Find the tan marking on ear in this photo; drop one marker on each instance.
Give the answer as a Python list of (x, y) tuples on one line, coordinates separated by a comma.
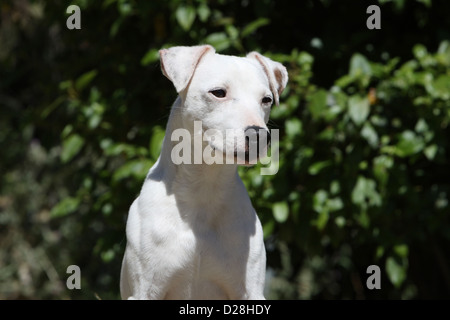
[(179, 63), (276, 73)]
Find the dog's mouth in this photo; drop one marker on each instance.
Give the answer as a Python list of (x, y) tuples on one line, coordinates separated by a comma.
[(236, 146), (239, 157), (248, 156)]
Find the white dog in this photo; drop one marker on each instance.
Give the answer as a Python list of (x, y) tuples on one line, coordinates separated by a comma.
[(192, 233)]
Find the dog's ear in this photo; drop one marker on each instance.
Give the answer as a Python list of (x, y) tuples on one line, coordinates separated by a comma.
[(275, 71), (178, 63)]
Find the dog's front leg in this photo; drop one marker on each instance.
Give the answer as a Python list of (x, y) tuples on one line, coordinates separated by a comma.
[(138, 285)]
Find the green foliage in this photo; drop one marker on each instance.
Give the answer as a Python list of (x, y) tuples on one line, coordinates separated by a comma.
[(359, 165), (364, 150)]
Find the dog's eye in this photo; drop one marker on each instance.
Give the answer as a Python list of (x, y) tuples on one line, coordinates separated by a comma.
[(267, 100), (218, 93)]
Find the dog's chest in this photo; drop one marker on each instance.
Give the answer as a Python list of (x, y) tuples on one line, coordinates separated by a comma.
[(219, 251)]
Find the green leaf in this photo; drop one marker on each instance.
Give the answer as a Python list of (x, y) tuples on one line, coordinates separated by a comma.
[(335, 187), (151, 56), (125, 8), (293, 127), (116, 26), (344, 81), (85, 79), (218, 40), (108, 255), (65, 207), (396, 271), (409, 144), (280, 211), (360, 70), (359, 66), (322, 219), (401, 250), (358, 109), (334, 204), (430, 152), (268, 228), (316, 167), (156, 142), (443, 55), (381, 166), (94, 114), (319, 200), (203, 12), (421, 126), (379, 252), (71, 147), (305, 59), (137, 169), (359, 191), (253, 26), (329, 133), (340, 221), (369, 133), (363, 219), (232, 32), (114, 149), (365, 193), (318, 103), (185, 16), (420, 51), (440, 87), (257, 179)]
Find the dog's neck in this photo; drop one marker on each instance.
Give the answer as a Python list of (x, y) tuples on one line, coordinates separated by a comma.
[(193, 176)]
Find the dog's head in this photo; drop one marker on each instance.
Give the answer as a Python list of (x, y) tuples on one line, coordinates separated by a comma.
[(231, 96)]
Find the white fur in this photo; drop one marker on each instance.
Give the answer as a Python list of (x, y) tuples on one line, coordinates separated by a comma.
[(192, 233)]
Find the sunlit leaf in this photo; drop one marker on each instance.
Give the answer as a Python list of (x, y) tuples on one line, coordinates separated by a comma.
[(409, 144), (395, 271), (218, 40), (440, 87), (203, 12), (280, 211), (365, 193), (359, 65), (430, 151), (318, 103), (151, 56), (135, 168), (253, 26), (85, 79), (71, 147), (369, 133), (65, 207), (185, 16), (316, 167), (358, 108), (293, 127)]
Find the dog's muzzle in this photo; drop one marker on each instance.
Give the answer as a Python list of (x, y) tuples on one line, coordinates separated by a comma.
[(257, 139)]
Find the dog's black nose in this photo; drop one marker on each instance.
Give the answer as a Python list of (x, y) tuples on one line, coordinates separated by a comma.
[(254, 135)]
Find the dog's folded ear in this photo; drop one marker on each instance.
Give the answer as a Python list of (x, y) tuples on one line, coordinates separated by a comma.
[(275, 71), (179, 63)]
